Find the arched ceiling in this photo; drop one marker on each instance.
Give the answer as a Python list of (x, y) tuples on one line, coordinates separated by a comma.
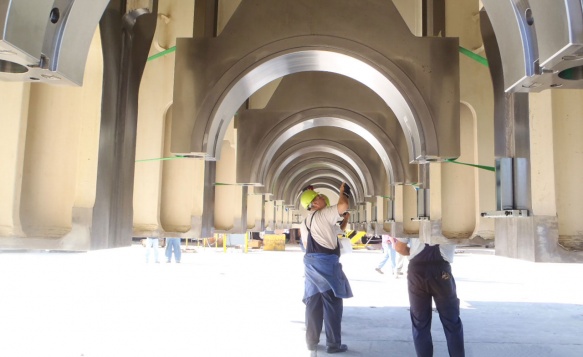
[(385, 99), (291, 160)]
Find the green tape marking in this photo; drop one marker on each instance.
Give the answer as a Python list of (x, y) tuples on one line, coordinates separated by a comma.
[(473, 56), (483, 167), (163, 53)]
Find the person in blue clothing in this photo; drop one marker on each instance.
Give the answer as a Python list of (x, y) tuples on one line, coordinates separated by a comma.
[(389, 251), (429, 277), (173, 244), (326, 284), (152, 244)]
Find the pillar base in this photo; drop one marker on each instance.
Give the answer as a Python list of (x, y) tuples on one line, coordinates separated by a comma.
[(534, 238)]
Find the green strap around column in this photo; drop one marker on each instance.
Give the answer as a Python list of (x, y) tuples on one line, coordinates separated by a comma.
[(483, 167), (163, 53), (473, 56)]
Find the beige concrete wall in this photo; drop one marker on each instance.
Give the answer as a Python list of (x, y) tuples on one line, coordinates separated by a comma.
[(165, 192), (269, 217), (228, 195), (12, 142), (411, 11), (410, 210), (254, 202), (177, 189), (435, 191), (542, 164), (568, 155), (476, 93), (459, 184), (60, 162)]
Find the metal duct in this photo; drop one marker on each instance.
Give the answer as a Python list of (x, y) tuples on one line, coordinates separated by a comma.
[(47, 40)]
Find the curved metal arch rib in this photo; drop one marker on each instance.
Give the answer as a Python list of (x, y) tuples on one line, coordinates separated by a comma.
[(306, 149), (261, 165), (317, 60), (315, 165), (320, 178)]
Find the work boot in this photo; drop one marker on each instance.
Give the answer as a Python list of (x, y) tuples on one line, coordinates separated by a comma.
[(341, 348)]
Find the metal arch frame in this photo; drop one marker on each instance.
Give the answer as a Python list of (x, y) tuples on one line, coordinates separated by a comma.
[(519, 37), (394, 87), (319, 180), (315, 177), (52, 51), (298, 151), (313, 164), (418, 78), (548, 38), (383, 145)]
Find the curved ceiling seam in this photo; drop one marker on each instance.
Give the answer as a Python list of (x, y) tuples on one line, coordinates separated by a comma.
[(312, 177), (310, 167), (331, 182), (349, 156), (282, 132), (366, 135), (314, 164)]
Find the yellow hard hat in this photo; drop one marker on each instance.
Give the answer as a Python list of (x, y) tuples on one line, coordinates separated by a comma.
[(307, 197)]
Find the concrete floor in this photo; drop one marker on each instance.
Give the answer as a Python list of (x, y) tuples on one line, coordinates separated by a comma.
[(111, 303)]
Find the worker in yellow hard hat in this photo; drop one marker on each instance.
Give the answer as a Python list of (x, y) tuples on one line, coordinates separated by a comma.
[(309, 195), (326, 285)]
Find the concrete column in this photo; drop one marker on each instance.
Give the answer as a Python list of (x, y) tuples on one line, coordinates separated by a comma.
[(476, 95), (269, 216), (410, 210), (568, 155), (543, 185), (459, 185), (228, 195), (154, 116), (60, 162), (254, 209), (436, 193), (12, 143), (179, 185)]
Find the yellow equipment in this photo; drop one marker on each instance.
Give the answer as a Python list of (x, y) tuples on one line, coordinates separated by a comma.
[(356, 238)]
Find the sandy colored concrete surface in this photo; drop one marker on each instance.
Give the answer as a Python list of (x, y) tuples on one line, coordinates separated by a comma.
[(111, 303)]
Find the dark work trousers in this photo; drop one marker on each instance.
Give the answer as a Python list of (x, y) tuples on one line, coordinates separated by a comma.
[(429, 276), (324, 307)]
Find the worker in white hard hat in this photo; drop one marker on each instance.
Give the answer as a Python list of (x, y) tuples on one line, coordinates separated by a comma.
[(326, 284)]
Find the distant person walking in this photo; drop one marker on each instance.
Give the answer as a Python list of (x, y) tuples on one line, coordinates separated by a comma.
[(429, 277), (152, 244), (389, 252), (173, 244), (325, 284)]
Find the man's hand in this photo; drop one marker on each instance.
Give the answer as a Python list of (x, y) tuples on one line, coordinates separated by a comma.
[(401, 247), (343, 204)]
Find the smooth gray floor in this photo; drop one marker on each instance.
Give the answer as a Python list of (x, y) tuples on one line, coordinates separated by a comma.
[(111, 303)]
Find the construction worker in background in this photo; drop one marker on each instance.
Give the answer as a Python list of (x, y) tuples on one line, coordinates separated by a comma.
[(326, 284)]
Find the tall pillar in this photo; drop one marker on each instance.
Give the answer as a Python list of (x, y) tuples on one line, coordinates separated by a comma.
[(126, 39), (15, 96)]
